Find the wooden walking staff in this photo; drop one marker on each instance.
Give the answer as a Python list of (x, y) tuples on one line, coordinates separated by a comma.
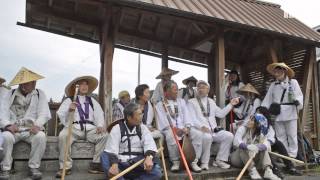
[(130, 168), (70, 125), (177, 143), (245, 167), (161, 145), (286, 157)]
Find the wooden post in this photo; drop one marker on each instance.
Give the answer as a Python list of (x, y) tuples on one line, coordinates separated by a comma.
[(106, 51), (219, 70), (307, 79), (211, 73), (164, 56), (316, 101)]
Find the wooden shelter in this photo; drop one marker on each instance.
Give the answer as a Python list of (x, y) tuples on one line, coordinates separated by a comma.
[(217, 34)]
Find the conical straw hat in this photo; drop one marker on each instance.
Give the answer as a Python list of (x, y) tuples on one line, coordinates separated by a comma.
[(248, 88), (191, 78), (272, 66), (92, 83), (24, 76), (165, 72)]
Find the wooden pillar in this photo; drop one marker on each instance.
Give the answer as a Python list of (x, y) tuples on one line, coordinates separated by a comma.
[(307, 80), (106, 53), (219, 65), (164, 56), (211, 73), (316, 102)]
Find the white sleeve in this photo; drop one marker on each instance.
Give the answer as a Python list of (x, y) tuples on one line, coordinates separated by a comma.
[(63, 111), (161, 116), (256, 104), (147, 140), (238, 137), (113, 141), (186, 115), (98, 114), (5, 110), (267, 101), (271, 135), (156, 94), (298, 93), (150, 116), (221, 113), (43, 110)]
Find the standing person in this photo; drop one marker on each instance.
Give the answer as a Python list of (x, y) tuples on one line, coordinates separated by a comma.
[(284, 98), (117, 109), (142, 93), (88, 122), (205, 112), (129, 142), (188, 92), (177, 111), (251, 142), (3, 91), (231, 91), (24, 112), (249, 104), (165, 76)]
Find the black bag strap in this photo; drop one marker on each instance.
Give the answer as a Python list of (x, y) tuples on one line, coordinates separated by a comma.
[(282, 96), (124, 132)]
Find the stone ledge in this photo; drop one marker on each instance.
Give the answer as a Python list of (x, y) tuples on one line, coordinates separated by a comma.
[(80, 150)]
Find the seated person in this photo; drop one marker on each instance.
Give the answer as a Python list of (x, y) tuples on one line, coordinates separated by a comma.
[(130, 141), (251, 142)]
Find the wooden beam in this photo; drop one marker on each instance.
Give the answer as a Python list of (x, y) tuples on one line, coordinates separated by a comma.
[(316, 102), (140, 22), (164, 56), (219, 70), (307, 79), (209, 36), (188, 34)]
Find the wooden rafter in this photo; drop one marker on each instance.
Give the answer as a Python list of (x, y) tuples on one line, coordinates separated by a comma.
[(140, 22), (209, 36)]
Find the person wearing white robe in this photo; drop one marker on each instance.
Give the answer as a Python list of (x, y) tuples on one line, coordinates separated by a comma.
[(118, 107), (205, 112), (188, 92), (290, 103), (165, 76), (88, 122), (3, 91), (142, 93), (250, 102), (125, 148), (178, 113), (24, 112)]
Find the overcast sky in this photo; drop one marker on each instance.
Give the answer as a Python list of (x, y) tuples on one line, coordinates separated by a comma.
[(60, 59)]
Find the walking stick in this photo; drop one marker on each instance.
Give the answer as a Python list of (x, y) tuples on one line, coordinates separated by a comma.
[(161, 146), (286, 157), (301, 133), (245, 167), (130, 168), (178, 144), (66, 147)]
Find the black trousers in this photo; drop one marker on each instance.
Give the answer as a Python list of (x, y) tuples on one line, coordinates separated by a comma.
[(279, 147)]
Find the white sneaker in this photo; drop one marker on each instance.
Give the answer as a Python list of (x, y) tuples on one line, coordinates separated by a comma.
[(220, 164), (175, 166), (254, 174), (268, 174), (195, 167), (204, 166)]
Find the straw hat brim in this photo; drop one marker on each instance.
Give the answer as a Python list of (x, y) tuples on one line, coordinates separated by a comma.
[(272, 66), (185, 81), (248, 88), (92, 84), (166, 72), (24, 76)]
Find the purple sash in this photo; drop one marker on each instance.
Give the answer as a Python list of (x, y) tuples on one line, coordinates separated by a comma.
[(84, 115)]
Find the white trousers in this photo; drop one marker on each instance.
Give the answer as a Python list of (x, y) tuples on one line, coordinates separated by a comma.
[(202, 144), (38, 147), (99, 141), (286, 132)]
